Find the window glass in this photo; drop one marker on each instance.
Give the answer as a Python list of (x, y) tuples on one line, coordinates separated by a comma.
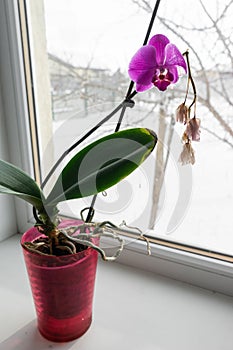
[(89, 46)]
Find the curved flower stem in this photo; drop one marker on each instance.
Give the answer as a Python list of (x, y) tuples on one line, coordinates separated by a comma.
[(188, 81), (190, 78)]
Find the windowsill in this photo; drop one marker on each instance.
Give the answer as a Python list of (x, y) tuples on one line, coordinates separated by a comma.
[(132, 309)]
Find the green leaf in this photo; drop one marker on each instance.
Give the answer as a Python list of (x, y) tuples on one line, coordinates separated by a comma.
[(14, 181), (102, 164)]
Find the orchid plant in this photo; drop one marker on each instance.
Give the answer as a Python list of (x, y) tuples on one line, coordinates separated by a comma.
[(95, 168), (108, 160)]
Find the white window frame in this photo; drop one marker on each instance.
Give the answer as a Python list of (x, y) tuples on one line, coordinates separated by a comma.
[(171, 261), (15, 103)]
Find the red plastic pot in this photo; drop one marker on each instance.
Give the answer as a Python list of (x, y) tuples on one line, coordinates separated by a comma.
[(62, 288)]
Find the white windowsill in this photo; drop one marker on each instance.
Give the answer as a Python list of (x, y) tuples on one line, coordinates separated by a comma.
[(133, 309)]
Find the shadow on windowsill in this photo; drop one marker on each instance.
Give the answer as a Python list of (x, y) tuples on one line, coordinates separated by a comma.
[(28, 338)]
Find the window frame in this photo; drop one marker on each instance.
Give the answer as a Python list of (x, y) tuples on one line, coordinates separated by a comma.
[(15, 103), (210, 272), (207, 272)]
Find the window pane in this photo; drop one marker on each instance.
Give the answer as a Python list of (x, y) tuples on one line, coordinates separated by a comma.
[(89, 48)]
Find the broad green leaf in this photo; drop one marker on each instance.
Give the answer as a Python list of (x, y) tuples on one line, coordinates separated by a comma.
[(14, 181), (102, 164)]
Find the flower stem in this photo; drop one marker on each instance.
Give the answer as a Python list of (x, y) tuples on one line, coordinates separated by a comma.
[(154, 13), (190, 78), (188, 81)]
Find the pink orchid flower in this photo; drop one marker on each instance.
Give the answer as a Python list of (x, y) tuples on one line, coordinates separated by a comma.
[(156, 64)]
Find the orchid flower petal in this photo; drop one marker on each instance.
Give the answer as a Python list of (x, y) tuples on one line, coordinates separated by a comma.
[(159, 42), (141, 88), (141, 68), (174, 57), (144, 59), (145, 78), (174, 72)]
